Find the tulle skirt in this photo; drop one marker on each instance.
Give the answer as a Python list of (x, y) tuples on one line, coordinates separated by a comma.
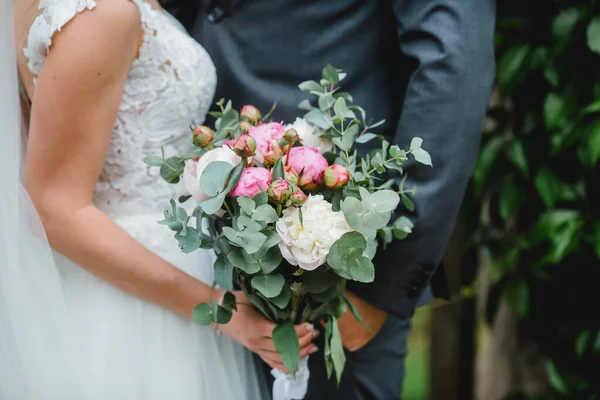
[(125, 348)]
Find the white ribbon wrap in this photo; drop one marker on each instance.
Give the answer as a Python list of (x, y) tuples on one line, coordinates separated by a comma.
[(290, 387)]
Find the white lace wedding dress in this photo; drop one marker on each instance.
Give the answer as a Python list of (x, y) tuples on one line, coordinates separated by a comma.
[(125, 348)]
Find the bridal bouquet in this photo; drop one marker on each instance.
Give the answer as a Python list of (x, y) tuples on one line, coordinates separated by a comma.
[(291, 211)]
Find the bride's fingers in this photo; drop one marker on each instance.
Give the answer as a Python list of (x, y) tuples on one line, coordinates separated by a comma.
[(272, 362), (303, 329), (307, 339), (308, 350)]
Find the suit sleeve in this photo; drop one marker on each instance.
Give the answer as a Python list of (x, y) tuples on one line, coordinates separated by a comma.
[(448, 45)]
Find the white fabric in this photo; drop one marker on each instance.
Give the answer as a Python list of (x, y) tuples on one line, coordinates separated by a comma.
[(290, 387), (65, 334)]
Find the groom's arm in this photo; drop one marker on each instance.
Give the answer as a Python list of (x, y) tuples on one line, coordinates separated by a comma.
[(449, 45)]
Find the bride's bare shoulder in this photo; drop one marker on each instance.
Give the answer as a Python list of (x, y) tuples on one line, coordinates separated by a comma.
[(105, 30)]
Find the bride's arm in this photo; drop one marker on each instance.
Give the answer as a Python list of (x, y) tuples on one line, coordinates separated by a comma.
[(75, 105)]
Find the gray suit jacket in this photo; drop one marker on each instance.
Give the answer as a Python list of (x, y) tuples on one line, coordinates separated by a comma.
[(425, 66)]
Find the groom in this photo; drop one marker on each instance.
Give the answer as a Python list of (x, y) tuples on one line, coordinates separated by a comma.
[(426, 67)]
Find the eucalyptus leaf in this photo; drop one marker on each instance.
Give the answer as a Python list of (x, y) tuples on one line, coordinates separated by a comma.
[(334, 348), (278, 170), (154, 161), (340, 108), (283, 298), (265, 213), (220, 314), (365, 138), (330, 74), (241, 260), (224, 272), (202, 314), (213, 206), (422, 156), (287, 345), (416, 143), (384, 200), (268, 285), (309, 86), (246, 204), (171, 169), (213, 178), (317, 118)]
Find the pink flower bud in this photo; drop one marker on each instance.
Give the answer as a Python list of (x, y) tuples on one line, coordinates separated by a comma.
[(298, 198), (308, 163), (244, 146), (336, 176), (272, 153), (203, 136), (291, 175), (245, 126), (279, 191), (251, 113), (291, 135)]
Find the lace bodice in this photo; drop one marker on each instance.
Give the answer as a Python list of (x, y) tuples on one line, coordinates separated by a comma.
[(169, 88)]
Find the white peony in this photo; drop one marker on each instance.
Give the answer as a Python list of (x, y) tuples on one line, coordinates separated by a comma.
[(193, 170), (306, 132), (307, 244)]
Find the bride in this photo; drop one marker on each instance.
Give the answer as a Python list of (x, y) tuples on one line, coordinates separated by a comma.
[(105, 314)]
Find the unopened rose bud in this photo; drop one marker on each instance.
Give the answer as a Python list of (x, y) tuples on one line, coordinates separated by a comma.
[(244, 146), (251, 113), (279, 191), (203, 136), (336, 176), (244, 126), (291, 135), (272, 153), (298, 198)]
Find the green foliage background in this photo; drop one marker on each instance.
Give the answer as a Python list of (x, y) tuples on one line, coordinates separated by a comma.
[(537, 185)]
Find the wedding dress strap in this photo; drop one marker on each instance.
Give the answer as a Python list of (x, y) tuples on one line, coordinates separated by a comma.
[(55, 15)]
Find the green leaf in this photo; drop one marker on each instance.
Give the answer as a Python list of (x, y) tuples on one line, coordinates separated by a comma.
[(422, 156), (171, 169), (220, 315), (512, 197), (330, 73), (268, 285), (384, 201), (202, 314), (317, 117), (246, 204), (278, 170), (548, 186), (594, 142), (553, 108), (239, 259), (592, 108), (556, 380), (229, 301), (582, 341), (516, 295), (265, 213), (517, 156), (593, 35), (250, 241), (355, 312), (272, 239), (309, 86), (347, 259), (260, 199), (233, 177), (416, 143), (305, 104), (213, 178), (564, 24), (334, 349), (364, 138), (183, 199), (154, 161), (188, 241), (269, 260), (319, 280), (408, 203), (402, 228), (512, 67), (340, 108), (361, 269), (325, 101), (283, 298), (551, 75), (224, 272), (212, 206), (287, 345)]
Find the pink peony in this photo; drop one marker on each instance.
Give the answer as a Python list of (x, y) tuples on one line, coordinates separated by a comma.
[(253, 181), (312, 162), (263, 134)]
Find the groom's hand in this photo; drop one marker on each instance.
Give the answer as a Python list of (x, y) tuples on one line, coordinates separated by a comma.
[(354, 334)]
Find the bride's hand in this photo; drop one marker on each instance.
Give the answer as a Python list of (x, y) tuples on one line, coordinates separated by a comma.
[(249, 328)]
